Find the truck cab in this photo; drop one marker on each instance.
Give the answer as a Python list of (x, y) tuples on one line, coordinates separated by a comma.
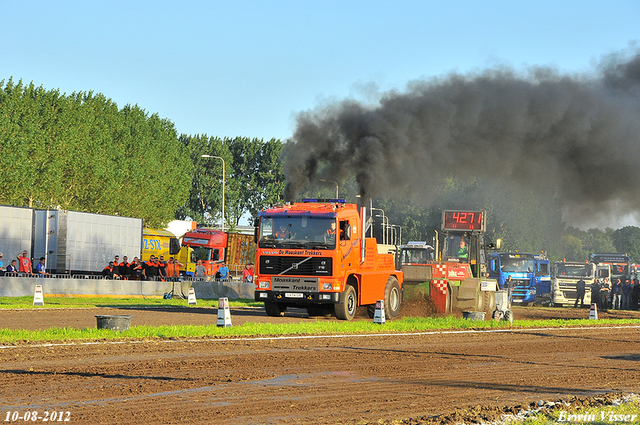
[(207, 245), (542, 276), (522, 268), (313, 254), (565, 277), (214, 247)]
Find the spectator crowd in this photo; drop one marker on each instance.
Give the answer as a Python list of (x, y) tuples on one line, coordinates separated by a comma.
[(619, 294), (156, 268)]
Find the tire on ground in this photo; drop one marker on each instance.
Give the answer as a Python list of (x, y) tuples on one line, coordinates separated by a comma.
[(346, 308), (508, 316), (392, 298), (274, 309)]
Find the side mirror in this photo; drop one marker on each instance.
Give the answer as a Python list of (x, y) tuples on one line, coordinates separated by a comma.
[(256, 227)]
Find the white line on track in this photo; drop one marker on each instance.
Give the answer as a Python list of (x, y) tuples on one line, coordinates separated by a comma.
[(266, 338)]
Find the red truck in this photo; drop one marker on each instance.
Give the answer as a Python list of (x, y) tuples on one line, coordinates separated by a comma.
[(314, 254), (214, 246)]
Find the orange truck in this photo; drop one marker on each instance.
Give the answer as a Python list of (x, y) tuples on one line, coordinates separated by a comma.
[(213, 247), (314, 254)]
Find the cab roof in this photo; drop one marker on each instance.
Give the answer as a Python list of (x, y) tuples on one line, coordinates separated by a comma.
[(320, 208)]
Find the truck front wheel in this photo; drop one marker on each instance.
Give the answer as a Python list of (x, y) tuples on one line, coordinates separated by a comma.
[(346, 308), (392, 299), (274, 309)]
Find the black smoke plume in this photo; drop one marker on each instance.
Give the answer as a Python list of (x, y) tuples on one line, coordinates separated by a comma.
[(577, 134)]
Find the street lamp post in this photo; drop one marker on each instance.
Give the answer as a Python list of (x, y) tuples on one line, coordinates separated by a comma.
[(399, 227), (331, 181), (223, 184)]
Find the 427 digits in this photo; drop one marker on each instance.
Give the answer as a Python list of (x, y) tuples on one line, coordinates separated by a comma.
[(35, 416)]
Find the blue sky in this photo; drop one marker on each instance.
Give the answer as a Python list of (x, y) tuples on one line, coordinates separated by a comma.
[(246, 68)]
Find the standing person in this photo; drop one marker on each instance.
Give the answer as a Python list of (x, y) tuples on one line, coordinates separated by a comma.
[(635, 294), (177, 264), (151, 268), (201, 272), (604, 295), (595, 292), (124, 269), (508, 285), (247, 273), (581, 289), (616, 299), (626, 295), (1, 265), (116, 265), (162, 268), (24, 263), (173, 269), (224, 271), (41, 267), (170, 269)]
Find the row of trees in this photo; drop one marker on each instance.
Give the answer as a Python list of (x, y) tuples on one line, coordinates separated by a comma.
[(81, 152)]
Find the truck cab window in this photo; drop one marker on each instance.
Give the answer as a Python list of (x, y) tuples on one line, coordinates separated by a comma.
[(345, 231)]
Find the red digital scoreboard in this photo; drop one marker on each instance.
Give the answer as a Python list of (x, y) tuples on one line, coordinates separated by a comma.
[(465, 221)]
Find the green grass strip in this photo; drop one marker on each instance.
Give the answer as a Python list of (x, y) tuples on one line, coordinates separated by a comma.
[(11, 303), (309, 327)]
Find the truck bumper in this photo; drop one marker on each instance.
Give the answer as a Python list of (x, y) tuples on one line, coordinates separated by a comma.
[(298, 297)]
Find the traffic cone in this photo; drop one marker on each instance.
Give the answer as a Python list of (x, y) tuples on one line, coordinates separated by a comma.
[(37, 296), (224, 315), (378, 317), (593, 313), (192, 297)]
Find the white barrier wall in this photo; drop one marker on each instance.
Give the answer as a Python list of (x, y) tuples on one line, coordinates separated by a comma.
[(25, 286)]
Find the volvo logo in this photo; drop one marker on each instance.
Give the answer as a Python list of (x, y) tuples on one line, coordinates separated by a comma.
[(294, 266)]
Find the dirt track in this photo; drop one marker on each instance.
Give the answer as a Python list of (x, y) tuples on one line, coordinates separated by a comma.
[(355, 379)]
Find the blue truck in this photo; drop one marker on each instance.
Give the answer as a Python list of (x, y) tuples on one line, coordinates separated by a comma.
[(529, 272)]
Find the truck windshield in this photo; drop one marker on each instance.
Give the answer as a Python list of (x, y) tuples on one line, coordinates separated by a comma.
[(298, 232), (516, 265), (202, 253), (415, 256), (574, 270), (456, 248)]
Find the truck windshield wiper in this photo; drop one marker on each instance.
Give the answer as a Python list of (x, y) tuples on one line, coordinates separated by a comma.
[(293, 243)]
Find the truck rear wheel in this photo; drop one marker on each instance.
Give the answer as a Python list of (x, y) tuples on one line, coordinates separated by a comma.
[(392, 299), (346, 308), (274, 309)]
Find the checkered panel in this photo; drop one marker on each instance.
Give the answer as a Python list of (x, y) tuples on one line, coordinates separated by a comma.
[(440, 286), (439, 270)]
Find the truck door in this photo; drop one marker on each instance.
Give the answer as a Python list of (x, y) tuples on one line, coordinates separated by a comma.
[(347, 237)]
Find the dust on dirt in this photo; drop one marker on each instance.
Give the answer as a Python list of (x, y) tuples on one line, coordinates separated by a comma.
[(418, 307)]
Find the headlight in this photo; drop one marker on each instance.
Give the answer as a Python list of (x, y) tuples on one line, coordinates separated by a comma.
[(264, 284), (533, 291), (327, 286)]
